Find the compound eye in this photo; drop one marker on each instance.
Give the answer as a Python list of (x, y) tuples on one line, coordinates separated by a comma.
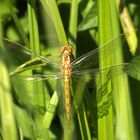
[(62, 49), (70, 49)]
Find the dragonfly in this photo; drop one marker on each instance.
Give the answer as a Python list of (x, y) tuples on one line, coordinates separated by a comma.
[(68, 68)]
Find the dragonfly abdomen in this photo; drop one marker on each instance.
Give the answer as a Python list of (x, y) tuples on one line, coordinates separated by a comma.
[(67, 101)]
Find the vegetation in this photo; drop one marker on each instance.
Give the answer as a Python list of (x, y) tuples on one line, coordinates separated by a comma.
[(32, 97)]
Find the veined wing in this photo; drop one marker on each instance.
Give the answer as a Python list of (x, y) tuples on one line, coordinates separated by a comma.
[(40, 77), (18, 49), (93, 72), (29, 78), (90, 59), (28, 88), (92, 77)]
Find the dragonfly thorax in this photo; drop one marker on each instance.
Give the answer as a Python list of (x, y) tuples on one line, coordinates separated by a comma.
[(66, 66)]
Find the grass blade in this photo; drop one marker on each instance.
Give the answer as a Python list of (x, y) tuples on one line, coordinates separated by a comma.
[(17, 22), (120, 94), (9, 129), (51, 7), (73, 24), (127, 26)]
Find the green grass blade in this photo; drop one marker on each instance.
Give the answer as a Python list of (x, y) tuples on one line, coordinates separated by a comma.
[(17, 22), (81, 109), (120, 95), (51, 7), (35, 45), (125, 128), (33, 26), (105, 124), (38, 88), (48, 117), (73, 24), (83, 122), (127, 26), (24, 122), (8, 123)]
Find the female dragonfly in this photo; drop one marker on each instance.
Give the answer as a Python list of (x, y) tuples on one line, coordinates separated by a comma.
[(68, 68)]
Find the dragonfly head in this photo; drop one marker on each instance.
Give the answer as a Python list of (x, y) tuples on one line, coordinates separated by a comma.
[(66, 52), (67, 49)]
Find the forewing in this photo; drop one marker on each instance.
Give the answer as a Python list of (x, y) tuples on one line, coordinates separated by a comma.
[(91, 59), (22, 54), (99, 71), (95, 75)]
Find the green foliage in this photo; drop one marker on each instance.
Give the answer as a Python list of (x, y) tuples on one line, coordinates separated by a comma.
[(34, 108), (133, 69)]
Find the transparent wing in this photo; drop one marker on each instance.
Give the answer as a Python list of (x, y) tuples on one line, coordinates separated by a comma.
[(39, 77), (85, 81), (90, 59), (28, 87), (93, 72), (44, 67), (23, 54), (95, 75)]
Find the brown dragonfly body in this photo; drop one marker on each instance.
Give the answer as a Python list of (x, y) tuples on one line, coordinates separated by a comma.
[(66, 71)]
